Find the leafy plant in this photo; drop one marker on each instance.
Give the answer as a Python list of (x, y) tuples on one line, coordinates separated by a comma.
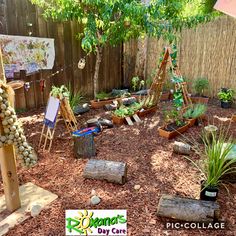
[(63, 92), (75, 98), (201, 85), (103, 96), (124, 111), (178, 99), (226, 95), (60, 92), (137, 83), (174, 116), (214, 163), (195, 111)]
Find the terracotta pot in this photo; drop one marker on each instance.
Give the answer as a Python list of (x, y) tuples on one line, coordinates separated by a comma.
[(99, 104), (202, 100), (147, 111), (172, 134), (192, 122), (118, 120), (165, 96)]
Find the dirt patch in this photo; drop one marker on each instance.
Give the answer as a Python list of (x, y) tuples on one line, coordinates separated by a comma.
[(151, 164)]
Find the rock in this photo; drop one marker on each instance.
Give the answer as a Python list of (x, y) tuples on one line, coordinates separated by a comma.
[(95, 200), (35, 209), (137, 187), (93, 192)]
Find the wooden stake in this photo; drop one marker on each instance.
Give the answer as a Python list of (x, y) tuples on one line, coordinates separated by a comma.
[(8, 163)]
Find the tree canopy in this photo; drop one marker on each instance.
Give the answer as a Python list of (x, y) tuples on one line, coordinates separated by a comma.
[(115, 21)]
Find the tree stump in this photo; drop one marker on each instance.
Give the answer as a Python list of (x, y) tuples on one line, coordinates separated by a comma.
[(84, 146), (115, 172), (181, 148), (187, 209)]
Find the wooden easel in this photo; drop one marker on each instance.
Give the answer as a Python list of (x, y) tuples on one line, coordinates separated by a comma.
[(7, 159), (67, 114)]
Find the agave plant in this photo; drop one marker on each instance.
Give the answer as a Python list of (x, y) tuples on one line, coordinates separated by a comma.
[(195, 111)]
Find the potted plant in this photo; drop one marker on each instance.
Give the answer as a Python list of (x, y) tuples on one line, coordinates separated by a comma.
[(226, 97), (194, 112), (201, 85), (174, 124), (118, 116), (214, 163), (101, 99)]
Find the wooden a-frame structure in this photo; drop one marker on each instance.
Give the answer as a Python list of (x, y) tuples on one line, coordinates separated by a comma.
[(156, 88)]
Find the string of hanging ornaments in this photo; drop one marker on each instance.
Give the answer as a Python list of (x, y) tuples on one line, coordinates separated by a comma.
[(13, 132), (81, 65)]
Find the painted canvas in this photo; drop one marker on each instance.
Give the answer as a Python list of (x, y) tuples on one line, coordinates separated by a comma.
[(26, 53)]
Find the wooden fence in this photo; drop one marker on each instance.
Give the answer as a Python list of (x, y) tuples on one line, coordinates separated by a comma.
[(23, 18), (207, 51)]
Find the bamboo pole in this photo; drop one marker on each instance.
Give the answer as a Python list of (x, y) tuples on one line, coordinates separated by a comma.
[(8, 163)]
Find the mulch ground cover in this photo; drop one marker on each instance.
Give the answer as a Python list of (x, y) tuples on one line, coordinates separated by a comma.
[(151, 164)]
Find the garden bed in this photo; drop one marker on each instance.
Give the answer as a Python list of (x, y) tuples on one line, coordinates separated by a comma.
[(151, 164)]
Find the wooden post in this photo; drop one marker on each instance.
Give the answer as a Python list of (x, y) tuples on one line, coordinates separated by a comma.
[(8, 164)]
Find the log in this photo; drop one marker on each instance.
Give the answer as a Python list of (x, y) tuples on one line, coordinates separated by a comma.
[(181, 148), (84, 146), (187, 209), (114, 172)]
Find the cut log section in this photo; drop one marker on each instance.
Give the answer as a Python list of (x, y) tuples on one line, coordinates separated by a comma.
[(181, 148), (115, 172), (187, 209)]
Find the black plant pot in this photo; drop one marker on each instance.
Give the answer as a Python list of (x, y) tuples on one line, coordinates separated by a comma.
[(208, 193), (226, 105)]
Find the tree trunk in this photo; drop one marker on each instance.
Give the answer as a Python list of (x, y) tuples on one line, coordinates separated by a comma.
[(97, 67), (187, 209), (115, 172)]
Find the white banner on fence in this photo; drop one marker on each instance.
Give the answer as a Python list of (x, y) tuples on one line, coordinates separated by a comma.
[(26, 53)]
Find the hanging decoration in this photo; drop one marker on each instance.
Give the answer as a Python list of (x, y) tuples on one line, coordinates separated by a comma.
[(81, 63)]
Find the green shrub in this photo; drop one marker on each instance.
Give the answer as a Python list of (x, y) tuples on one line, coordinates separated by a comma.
[(201, 85), (226, 95)]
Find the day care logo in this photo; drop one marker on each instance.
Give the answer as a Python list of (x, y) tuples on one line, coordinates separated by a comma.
[(96, 222)]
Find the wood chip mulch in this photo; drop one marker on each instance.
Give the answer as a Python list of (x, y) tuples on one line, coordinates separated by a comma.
[(151, 164)]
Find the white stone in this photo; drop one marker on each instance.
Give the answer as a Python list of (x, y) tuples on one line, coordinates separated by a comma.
[(95, 200), (137, 187), (35, 209), (93, 192)]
